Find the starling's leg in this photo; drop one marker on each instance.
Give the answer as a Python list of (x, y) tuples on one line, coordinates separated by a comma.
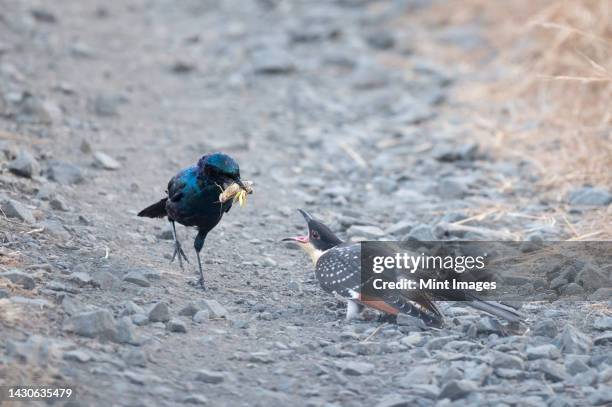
[(178, 250), (197, 245)]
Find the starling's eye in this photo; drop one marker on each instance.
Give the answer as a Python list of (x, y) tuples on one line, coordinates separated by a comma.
[(315, 234)]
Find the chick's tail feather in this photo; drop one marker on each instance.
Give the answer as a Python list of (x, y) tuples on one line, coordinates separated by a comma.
[(157, 210), (497, 309)]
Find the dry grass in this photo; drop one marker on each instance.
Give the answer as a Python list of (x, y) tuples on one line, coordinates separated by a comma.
[(547, 92), (555, 61)]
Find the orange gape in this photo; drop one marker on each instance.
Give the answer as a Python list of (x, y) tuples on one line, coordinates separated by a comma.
[(377, 304)]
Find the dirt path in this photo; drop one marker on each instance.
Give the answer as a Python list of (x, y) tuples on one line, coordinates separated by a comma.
[(325, 107)]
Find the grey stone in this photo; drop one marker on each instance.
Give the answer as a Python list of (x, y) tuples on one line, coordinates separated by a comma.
[(451, 188), (65, 173), (126, 332), (602, 294), (183, 66), (30, 302), (36, 110), (543, 352), (587, 378), (394, 400), (80, 278), (92, 324), (605, 376), (489, 325), (604, 339), (159, 312), (106, 105), (368, 76), (507, 361), (272, 61), (197, 399), (603, 323), (414, 339), (465, 152), (20, 278), (81, 50), (59, 204), (355, 368), (24, 165), (381, 40), (421, 233), (545, 327), (313, 31), (140, 319), (552, 370), (72, 306), (576, 366), (572, 289), (466, 232), (209, 376), (269, 262), (215, 309), (151, 274), (43, 16), (558, 282), (176, 325), (45, 191), (407, 321), (590, 196), (105, 161), (135, 357), (189, 310), (137, 277), (601, 396), (592, 278), (37, 350), (201, 316), (439, 342), (571, 340), (77, 356), (418, 375), (14, 209), (399, 229), (166, 234), (131, 308), (457, 389), (364, 231), (451, 374), (105, 280)]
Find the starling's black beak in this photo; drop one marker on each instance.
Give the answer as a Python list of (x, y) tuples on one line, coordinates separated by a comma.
[(229, 180), (239, 182)]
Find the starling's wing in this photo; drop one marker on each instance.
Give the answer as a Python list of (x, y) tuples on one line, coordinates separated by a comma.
[(339, 272), (175, 189)]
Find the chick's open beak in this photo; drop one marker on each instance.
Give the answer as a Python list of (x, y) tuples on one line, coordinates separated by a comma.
[(297, 239)]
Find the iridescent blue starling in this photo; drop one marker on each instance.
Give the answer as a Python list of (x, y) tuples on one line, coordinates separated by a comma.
[(193, 200)]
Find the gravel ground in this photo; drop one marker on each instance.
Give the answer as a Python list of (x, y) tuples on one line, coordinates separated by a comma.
[(326, 106)]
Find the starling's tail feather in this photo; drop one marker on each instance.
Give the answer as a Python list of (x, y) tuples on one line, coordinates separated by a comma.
[(157, 210)]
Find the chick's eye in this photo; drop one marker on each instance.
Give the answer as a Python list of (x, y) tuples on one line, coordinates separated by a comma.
[(315, 234)]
